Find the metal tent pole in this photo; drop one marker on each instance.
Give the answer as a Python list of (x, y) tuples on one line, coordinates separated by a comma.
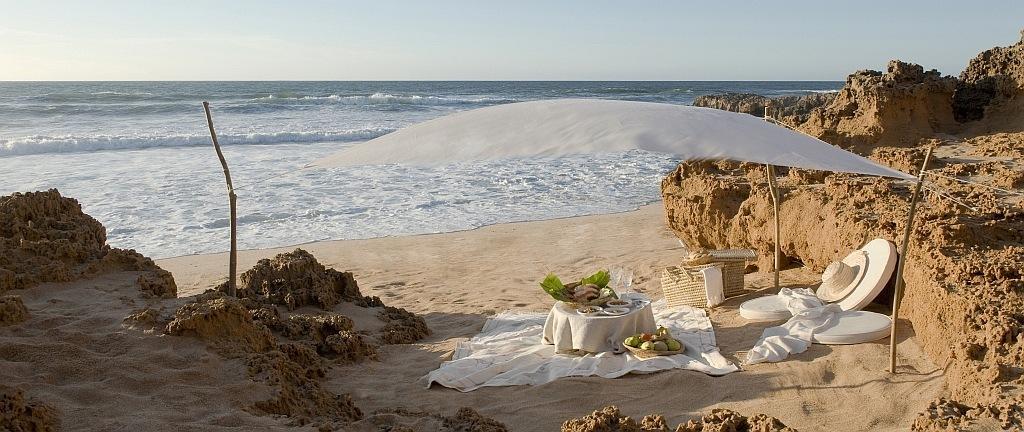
[(903, 256)]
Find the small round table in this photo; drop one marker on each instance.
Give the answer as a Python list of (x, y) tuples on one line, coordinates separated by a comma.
[(567, 330)]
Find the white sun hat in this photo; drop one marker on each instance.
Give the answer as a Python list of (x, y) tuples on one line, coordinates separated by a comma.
[(855, 281)]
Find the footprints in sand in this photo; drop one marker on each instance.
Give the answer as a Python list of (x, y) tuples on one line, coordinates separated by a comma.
[(389, 289)]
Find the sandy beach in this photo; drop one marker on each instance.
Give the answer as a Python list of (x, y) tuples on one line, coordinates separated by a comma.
[(456, 280), (97, 335)]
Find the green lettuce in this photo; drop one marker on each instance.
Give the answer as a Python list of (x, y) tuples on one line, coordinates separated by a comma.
[(553, 286), (600, 279)]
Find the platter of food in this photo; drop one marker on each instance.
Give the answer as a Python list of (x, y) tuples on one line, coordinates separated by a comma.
[(592, 290), (659, 343)]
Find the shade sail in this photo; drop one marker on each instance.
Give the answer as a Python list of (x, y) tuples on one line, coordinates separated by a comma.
[(564, 127)]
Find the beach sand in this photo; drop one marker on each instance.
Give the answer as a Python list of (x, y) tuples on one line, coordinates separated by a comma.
[(456, 280)]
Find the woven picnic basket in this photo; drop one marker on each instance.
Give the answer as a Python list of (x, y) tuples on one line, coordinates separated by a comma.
[(684, 286), (734, 262)]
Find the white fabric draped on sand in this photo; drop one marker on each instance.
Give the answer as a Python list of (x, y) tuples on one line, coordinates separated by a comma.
[(793, 337), (508, 351)]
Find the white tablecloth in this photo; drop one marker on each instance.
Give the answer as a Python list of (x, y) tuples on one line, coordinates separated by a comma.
[(506, 353), (567, 330)]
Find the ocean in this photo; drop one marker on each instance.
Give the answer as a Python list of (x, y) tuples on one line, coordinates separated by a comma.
[(137, 156)]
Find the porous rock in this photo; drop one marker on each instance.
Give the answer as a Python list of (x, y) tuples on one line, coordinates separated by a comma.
[(295, 372), (12, 310), (296, 279), (20, 413), (224, 323), (46, 237), (895, 108), (991, 86), (610, 419), (401, 326), (790, 109)]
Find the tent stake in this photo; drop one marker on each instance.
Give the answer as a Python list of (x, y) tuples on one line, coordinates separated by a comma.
[(903, 256), (233, 257), (773, 190)]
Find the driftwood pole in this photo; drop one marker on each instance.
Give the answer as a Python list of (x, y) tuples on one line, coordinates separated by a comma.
[(774, 191), (773, 188), (233, 259), (903, 256)]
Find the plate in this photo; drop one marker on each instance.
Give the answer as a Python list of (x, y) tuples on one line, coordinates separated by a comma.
[(619, 304), (616, 311), (597, 310)]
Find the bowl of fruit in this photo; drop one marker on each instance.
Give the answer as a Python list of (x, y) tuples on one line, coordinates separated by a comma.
[(659, 343), (592, 290)]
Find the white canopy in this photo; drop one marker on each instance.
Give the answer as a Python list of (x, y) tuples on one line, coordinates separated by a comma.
[(562, 127)]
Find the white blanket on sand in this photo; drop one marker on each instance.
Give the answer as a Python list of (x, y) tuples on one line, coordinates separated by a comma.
[(793, 337), (508, 351)]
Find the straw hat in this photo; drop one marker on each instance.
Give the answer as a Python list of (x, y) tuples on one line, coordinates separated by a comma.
[(841, 277), (856, 280)]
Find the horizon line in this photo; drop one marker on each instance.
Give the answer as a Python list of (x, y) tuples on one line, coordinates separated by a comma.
[(416, 80)]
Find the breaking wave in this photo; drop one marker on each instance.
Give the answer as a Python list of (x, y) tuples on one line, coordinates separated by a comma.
[(71, 144)]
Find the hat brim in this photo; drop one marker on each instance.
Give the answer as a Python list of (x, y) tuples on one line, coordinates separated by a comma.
[(881, 262), (829, 292)]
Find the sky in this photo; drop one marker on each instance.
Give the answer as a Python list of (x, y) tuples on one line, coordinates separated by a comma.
[(492, 40)]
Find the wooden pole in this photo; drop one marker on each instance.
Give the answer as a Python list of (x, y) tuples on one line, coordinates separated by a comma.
[(774, 191), (233, 257), (903, 256)]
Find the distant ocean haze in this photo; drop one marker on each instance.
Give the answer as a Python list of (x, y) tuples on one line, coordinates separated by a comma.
[(137, 156)]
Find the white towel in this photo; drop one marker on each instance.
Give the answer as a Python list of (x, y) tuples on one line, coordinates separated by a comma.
[(793, 337), (713, 286)]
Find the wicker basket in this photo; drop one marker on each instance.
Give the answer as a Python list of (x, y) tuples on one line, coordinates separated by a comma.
[(684, 286), (734, 262), (642, 353)]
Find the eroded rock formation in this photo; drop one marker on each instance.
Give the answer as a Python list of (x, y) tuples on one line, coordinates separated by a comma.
[(610, 419), (895, 108), (465, 420), (287, 347), (965, 289), (12, 310), (991, 86), (20, 413), (296, 279), (791, 109), (47, 238)]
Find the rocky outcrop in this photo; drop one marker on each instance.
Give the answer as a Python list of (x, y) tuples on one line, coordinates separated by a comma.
[(12, 310), (19, 413), (791, 109), (296, 279), (401, 326), (965, 287), (224, 323), (895, 108), (991, 86), (727, 420), (45, 237), (296, 371), (946, 415), (399, 419), (609, 419), (290, 349)]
